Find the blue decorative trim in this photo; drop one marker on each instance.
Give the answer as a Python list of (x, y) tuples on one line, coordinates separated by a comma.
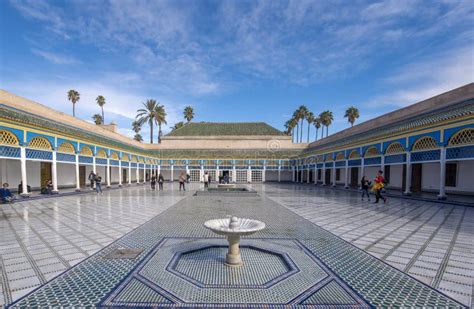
[(31, 135), (319, 165), (65, 157), (11, 152), (18, 133), (84, 159), (340, 163), (430, 155), (133, 164), (256, 167), (413, 139), (100, 161), (39, 154), (114, 162), (194, 167), (225, 167), (373, 161), (328, 164), (398, 158), (355, 162), (448, 133), (125, 163), (465, 152)]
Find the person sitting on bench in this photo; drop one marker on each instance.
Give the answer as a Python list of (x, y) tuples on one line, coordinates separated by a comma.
[(5, 195)]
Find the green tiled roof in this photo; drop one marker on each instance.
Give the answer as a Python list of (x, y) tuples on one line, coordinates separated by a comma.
[(228, 154), (225, 129)]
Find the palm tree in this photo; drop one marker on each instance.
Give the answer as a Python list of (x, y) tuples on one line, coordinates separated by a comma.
[(309, 119), (136, 127), (326, 119), (296, 119), (74, 97), (352, 113), (147, 114), (302, 110), (97, 119), (293, 123), (188, 113), (138, 137), (321, 117), (160, 119), (101, 102), (317, 125)]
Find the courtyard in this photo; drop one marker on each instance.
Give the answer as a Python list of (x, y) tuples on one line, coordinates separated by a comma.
[(320, 247)]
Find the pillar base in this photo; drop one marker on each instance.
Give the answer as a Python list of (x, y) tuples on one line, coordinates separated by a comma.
[(346, 187), (55, 192), (108, 186), (442, 197), (25, 195), (77, 190), (233, 260), (407, 193), (120, 185)]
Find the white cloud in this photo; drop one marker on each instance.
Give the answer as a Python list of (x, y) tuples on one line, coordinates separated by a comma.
[(55, 58)]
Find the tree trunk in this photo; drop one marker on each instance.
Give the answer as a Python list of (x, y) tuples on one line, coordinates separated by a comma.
[(301, 136), (103, 117), (151, 131), (327, 131), (322, 132), (307, 139), (297, 132), (73, 109), (159, 132), (316, 138)]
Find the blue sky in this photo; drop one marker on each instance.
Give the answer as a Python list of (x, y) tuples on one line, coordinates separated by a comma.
[(235, 60)]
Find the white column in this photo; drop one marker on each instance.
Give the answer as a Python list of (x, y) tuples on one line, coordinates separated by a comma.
[(334, 174), (144, 172), (54, 173), (137, 173), (293, 173), (315, 173), (129, 172), (307, 174), (217, 173), (408, 175), (362, 170), (323, 174), (120, 173), (201, 174), (249, 174), (346, 175), (159, 169), (442, 174), (172, 173), (263, 173), (187, 169), (94, 169), (279, 172), (107, 173), (234, 174), (24, 182), (78, 180)]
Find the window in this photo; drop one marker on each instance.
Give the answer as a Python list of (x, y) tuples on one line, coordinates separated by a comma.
[(338, 174), (451, 171)]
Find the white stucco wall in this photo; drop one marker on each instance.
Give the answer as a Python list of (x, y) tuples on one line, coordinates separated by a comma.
[(66, 175), (396, 176), (430, 176), (286, 176), (271, 176), (465, 177)]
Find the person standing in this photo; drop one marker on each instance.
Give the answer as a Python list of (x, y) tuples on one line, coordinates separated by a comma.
[(161, 180), (364, 184), (188, 177), (206, 180), (153, 182), (182, 180), (379, 184), (98, 184), (92, 179)]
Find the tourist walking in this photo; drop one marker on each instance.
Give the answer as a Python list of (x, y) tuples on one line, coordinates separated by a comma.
[(92, 179), (161, 180), (5, 194), (379, 184), (98, 184), (206, 180), (182, 180), (153, 182), (364, 184)]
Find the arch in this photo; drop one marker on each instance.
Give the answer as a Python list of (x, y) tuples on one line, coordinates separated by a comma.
[(8, 138), (424, 143), (340, 156), (354, 155), (66, 147), (141, 160), (320, 158), (328, 158), (134, 159), (396, 147), (39, 142), (86, 151), (114, 155), (101, 154), (371, 152), (124, 157), (463, 137)]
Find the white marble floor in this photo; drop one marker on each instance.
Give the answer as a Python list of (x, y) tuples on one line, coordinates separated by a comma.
[(432, 242)]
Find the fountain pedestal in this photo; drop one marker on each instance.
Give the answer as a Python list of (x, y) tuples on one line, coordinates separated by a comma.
[(233, 228)]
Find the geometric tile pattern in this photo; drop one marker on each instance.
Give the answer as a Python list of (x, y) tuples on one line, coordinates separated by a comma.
[(360, 274)]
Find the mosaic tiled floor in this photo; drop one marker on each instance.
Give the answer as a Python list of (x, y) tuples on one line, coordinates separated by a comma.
[(323, 269)]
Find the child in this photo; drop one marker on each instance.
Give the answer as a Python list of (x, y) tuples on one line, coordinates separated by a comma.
[(98, 182), (365, 188)]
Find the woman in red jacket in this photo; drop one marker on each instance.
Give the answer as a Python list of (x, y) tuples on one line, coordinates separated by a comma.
[(379, 183)]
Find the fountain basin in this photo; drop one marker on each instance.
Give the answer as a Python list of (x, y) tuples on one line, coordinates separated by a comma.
[(233, 228), (226, 185)]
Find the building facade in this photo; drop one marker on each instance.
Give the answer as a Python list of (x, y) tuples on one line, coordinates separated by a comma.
[(428, 146)]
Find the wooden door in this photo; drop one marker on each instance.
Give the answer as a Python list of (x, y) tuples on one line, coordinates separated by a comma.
[(82, 176), (354, 177), (416, 178), (45, 173), (328, 176)]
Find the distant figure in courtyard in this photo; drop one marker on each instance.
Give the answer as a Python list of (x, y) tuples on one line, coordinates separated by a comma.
[(188, 177), (226, 178), (364, 184), (161, 180), (49, 186), (5, 194), (182, 180), (20, 188), (153, 183), (92, 179), (98, 184), (206, 180), (379, 184)]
